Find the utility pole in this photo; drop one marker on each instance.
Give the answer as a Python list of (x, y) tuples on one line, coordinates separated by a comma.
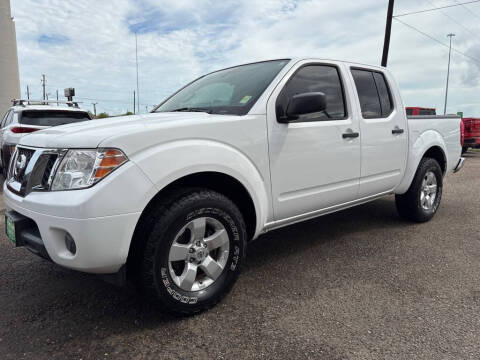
[(133, 102), (95, 108), (448, 72), (136, 61), (57, 98), (43, 86), (388, 32), (28, 93)]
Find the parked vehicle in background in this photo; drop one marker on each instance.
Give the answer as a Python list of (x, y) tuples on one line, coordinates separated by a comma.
[(170, 199), (415, 110), (471, 137), (27, 116)]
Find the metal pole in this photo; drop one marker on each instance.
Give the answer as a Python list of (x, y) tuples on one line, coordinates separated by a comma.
[(388, 32), (133, 102), (43, 86), (57, 99), (448, 72), (28, 93), (136, 61), (95, 109)]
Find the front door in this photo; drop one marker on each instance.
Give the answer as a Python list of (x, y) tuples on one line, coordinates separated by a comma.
[(315, 159)]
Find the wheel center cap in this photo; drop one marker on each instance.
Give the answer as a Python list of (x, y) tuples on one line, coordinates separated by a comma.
[(200, 254)]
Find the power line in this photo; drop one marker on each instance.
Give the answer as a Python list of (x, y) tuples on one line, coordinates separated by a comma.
[(468, 9), (438, 41), (455, 21), (437, 8)]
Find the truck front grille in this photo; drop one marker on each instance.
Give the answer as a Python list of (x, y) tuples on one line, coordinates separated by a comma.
[(32, 169), (20, 163)]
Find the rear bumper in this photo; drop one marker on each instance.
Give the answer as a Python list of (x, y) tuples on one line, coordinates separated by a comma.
[(459, 165), (471, 141)]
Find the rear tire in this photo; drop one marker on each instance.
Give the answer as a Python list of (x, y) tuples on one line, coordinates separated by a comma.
[(464, 149), (193, 249), (421, 201)]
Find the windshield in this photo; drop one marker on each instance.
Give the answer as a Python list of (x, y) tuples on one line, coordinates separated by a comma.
[(229, 91), (52, 118)]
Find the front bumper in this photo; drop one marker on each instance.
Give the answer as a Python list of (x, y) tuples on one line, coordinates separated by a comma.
[(101, 219)]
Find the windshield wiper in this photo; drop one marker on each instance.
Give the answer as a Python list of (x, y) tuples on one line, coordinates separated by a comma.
[(193, 109)]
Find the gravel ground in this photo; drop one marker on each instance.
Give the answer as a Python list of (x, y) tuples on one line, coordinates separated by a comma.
[(359, 284)]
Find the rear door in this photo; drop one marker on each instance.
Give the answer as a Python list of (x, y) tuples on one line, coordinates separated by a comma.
[(383, 127), (313, 164)]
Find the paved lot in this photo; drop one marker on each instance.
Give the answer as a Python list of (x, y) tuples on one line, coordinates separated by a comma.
[(360, 284)]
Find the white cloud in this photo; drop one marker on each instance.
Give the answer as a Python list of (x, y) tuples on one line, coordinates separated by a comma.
[(181, 39)]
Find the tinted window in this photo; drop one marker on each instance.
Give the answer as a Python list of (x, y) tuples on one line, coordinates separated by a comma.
[(367, 94), (52, 118), (315, 78), (229, 91), (426, 112), (383, 93)]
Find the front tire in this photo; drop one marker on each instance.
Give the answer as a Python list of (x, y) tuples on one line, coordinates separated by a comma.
[(421, 201), (193, 252)]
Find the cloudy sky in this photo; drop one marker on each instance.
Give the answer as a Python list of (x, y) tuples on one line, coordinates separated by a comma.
[(90, 44)]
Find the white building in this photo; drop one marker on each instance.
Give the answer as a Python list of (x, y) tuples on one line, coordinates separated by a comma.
[(9, 78)]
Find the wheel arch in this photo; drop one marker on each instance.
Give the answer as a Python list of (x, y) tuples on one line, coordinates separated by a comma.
[(216, 181), (429, 144)]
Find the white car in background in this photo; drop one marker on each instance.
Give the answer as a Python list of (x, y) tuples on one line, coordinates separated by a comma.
[(25, 117)]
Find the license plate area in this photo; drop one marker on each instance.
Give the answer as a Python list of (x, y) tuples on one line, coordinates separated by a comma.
[(10, 229), (14, 224)]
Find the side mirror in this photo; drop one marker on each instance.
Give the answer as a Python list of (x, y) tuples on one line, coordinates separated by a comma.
[(305, 103)]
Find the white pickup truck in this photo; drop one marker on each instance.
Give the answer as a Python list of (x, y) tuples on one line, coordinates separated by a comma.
[(170, 199)]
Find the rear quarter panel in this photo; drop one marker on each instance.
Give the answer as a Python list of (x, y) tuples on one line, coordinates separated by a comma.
[(426, 132)]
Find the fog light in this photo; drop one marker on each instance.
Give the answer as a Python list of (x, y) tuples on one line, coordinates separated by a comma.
[(70, 243)]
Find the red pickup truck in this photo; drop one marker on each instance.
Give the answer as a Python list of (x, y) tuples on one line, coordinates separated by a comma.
[(416, 110), (471, 137)]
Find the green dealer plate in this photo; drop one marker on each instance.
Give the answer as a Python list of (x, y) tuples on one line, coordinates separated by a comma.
[(10, 229)]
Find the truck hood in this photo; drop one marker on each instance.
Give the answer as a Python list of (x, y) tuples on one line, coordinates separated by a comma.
[(90, 134)]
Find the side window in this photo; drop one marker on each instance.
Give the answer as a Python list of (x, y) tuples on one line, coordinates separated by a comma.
[(9, 119), (367, 94), (384, 94), (315, 78), (4, 120)]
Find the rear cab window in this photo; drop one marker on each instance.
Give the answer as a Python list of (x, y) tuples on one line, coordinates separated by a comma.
[(52, 118), (373, 93)]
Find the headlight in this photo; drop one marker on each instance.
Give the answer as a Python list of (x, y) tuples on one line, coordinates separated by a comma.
[(82, 168)]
